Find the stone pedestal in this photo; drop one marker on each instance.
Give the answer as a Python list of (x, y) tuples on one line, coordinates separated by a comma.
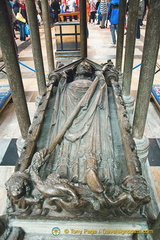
[(111, 230), (153, 207), (129, 104)]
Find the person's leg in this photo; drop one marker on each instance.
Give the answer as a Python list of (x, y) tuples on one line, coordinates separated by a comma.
[(103, 20), (116, 29), (112, 29), (87, 32), (22, 31), (138, 29), (56, 16), (92, 16), (98, 19)]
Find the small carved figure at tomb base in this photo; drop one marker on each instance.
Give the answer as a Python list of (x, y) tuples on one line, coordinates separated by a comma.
[(19, 192), (134, 195)]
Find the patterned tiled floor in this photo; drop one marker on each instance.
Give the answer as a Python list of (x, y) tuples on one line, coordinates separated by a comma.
[(99, 50)]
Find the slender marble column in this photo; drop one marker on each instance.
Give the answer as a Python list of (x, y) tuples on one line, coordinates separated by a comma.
[(12, 68), (130, 45), (48, 35), (36, 45), (83, 28), (149, 59), (120, 35)]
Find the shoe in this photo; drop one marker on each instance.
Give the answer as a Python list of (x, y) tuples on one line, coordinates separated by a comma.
[(102, 27)]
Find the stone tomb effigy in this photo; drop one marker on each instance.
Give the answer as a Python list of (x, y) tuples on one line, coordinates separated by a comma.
[(79, 160)]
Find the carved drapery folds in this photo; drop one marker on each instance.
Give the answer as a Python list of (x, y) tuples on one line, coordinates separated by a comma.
[(69, 163)]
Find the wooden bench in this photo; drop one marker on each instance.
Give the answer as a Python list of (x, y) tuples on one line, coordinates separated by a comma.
[(68, 14), (67, 38)]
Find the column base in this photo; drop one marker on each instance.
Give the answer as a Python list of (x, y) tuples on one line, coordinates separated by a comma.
[(142, 148), (151, 209)]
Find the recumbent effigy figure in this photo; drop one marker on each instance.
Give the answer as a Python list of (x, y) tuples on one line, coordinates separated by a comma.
[(74, 171), (81, 115)]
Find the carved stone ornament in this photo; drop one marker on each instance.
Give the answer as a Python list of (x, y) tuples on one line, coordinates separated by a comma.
[(79, 157)]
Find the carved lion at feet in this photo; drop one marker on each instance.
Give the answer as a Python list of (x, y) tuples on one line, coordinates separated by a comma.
[(18, 190)]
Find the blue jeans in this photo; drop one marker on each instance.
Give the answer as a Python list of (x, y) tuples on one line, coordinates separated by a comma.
[(114, 28), (22, 31), (138, 28), (99, 18)]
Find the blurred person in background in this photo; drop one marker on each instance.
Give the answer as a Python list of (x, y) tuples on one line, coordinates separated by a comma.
[(92, 11), (56, 9), (113, 13)]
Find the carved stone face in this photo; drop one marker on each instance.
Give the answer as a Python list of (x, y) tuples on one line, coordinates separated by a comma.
[(84, 68), (137, 186), (17, 190), (17, 186), (140, 191)]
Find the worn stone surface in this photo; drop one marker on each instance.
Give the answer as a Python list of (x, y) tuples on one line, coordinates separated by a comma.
[(89, 229)]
